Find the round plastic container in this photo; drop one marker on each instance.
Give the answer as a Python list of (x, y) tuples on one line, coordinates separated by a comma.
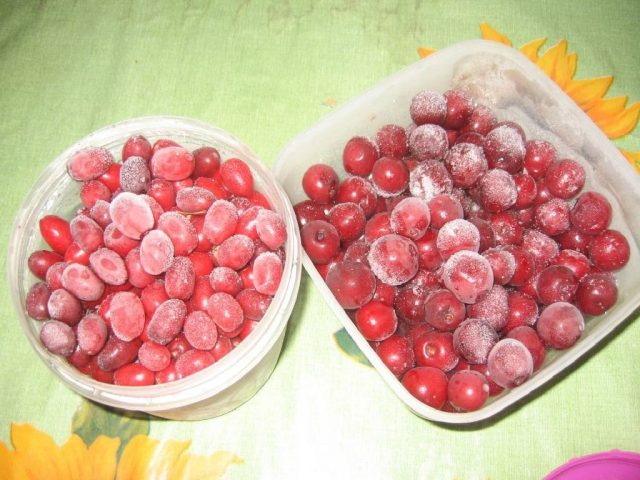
[(210, 392), (614, 465)]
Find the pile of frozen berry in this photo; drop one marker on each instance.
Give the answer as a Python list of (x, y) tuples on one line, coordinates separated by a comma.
[(461, 250), (169, 264)]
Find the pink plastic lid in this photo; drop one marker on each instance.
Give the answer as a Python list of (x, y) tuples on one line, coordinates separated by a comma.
[(615, 464)]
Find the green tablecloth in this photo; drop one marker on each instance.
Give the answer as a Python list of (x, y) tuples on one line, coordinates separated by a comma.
[(266, 71)]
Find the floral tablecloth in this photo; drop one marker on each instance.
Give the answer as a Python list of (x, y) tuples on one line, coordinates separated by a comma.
[(266, 71)]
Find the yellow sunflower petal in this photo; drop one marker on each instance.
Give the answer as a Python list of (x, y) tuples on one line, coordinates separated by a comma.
[(41, 456), (586, 92), (102, 457), (489, 33), (205, 467), (622, 123), (74, 451), (564, 68), (633, 158), (163, 464), (11, 465), (572, 64), (425, 51), (135, 457), (605, 108), (147, 458), (550, 60), (531, 48)]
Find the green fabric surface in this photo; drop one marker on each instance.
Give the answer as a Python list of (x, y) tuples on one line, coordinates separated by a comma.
[(266, 71)]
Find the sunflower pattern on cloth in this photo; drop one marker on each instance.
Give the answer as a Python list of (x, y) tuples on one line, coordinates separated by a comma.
[(106, 445)]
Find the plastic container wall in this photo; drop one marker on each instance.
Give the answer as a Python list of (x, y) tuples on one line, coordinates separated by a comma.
[(515, 89)]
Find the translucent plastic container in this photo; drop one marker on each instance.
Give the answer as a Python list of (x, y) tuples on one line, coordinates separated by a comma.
[(515, 89), (227, 383)]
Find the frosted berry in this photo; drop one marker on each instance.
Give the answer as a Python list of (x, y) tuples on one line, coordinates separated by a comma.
[(510, 363), (428, 142), (428, 107), (89, 163), (560, 325)]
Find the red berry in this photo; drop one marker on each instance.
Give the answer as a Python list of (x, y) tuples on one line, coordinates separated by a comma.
[(37, 300), (349, 221), (532, 341), (56, 232), (523, 310), (428, 107), (468, 390), (358, 157), (397, 354), (193, 361), (359, 191), (40, 261), (376, 321), (392, 141), (172, 163), (591, 214), (320, 240), (443, 310), (58, 338), (565, 178), (609, 250), (473, 340), (393, 259), (237, 177), (466, 163), (137, 146), (597, 292), (539, 154), (435, 349), (111, 178), (200, 330), (468, 275), (389, 176), (459, 108), (207, 162), (510, 363), (504, 148), (225, 311), (320, 183), (133, 375), (560, 325), (482, 120), (427, 384), (352, 283), (89, 163), (429, 142), (154, 357)]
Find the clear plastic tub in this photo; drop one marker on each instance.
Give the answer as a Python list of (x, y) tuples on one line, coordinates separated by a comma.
[(510, 84), (227, 383)]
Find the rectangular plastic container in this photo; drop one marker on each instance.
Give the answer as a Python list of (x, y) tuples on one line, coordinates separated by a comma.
[(515, 89)]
